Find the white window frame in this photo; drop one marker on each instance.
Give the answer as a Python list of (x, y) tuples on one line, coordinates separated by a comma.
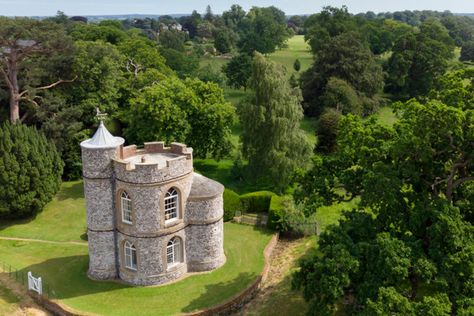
[(126, 208), (171, 205), (130, 254), (174, 252)]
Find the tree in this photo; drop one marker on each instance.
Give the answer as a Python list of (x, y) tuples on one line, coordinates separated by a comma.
[(338, 94), (224, 40), (30, 171), (263, 30), (409, 225), (189, 111), (467, 52), (329, 23), (24, 45), (98, 67), (184, 65), (234, 18), (272, 139), (238, 71), (205, 30), (297, 65), (327, 130), (172, 39), (190, 23), (418, 60), (346, 57), (209, 16)]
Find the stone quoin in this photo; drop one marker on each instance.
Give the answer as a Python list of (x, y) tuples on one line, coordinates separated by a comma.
[(150, 218)]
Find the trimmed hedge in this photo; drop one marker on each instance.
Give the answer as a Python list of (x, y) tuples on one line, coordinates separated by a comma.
[(257, 202), (232, 204), (275, 212)]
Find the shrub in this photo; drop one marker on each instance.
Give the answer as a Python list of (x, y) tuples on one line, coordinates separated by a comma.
[(30, 171), (232, 204), (297, 65), (285, 216), (257, 202)]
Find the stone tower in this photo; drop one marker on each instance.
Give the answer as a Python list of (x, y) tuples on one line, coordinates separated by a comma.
[(150, 218), (97, 170)]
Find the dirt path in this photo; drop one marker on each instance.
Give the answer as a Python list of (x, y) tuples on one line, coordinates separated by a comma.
[(26, 305), (46, 241), (283, 260)]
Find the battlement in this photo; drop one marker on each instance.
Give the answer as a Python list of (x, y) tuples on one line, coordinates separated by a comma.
[(153, 163), (156, 148)]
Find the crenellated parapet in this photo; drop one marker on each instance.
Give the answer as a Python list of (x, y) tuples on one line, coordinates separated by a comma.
[(154, 163)]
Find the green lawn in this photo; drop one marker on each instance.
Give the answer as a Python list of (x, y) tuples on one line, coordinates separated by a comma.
[(297, 49), (9, 302), (64, 219), (63, 266)]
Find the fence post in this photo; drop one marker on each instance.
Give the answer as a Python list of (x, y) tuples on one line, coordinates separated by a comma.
[(40, 285)]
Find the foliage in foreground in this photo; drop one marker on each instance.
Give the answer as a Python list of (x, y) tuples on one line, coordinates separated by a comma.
[(408, 249), (30, 171)]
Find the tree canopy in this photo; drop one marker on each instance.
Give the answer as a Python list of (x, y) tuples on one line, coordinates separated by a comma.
[(413, 223), (189, 111)]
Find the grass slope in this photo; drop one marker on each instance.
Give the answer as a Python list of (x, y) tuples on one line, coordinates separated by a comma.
[(64, 219), (63, 266), (9, 302)]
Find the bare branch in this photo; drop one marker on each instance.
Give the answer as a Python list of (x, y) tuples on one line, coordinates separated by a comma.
[(55, 84)]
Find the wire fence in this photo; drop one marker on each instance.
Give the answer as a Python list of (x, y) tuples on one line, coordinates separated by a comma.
[(21, 277)]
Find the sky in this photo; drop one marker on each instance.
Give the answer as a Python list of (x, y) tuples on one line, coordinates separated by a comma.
[(102, 7)]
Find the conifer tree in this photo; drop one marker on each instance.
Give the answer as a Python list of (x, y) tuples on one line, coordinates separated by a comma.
[(30, 171)]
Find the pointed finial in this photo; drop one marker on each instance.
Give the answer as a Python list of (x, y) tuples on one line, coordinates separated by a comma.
[(100, 116)]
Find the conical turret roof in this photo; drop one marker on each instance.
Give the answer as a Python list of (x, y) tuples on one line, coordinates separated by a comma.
[(102, 139)]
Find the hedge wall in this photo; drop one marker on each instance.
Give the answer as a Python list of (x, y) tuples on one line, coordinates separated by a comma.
[(256, 202), (232, 204), (276, 212)]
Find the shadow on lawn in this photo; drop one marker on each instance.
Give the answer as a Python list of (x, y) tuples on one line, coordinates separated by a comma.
[(66, 277), (214, 291), (74, 191)]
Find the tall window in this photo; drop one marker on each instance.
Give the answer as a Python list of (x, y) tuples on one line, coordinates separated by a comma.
[(171, 204), (130, 255), (173, 251), (126, 204)]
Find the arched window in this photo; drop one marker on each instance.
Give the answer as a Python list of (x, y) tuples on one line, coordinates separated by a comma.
[(171, 204), (126, 205), (130, 255), (173, 251)]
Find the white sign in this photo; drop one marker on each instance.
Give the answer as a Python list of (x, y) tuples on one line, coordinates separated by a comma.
[(35, 284)]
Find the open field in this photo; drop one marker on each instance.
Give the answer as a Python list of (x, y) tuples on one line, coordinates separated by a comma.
[(297, 49), (64, 265)]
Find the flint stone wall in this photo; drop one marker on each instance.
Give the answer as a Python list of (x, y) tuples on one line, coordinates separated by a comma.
[(205, 246), (99, 204), (97, 163), (151, 260), (152, 173), (204, 210), (101, 255)]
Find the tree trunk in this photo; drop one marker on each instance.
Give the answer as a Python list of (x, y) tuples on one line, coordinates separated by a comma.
[(14, 107), (12, 79)]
